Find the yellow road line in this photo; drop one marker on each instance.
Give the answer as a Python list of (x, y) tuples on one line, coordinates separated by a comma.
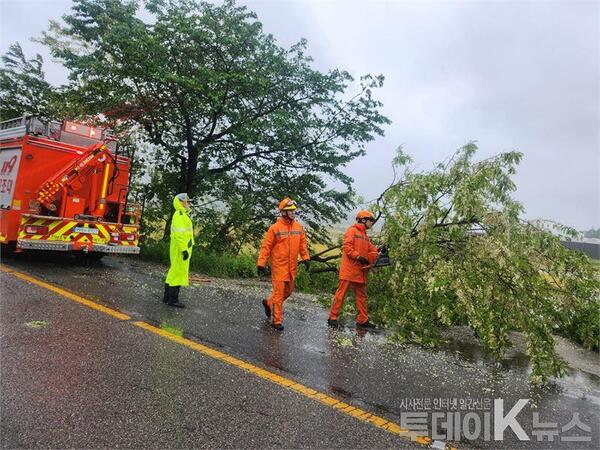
[(325, 399), (67, 294), (332, 402)]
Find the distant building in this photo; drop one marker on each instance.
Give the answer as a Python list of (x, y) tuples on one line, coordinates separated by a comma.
[(589, 246)]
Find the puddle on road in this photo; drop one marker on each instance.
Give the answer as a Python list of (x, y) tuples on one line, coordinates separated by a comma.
[(475, 353), (462, 349), (577, 383)]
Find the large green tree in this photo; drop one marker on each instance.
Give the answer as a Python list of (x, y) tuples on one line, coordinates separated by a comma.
[(235, 119)]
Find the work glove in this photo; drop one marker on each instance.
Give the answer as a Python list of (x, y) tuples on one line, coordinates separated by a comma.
[(306, 263), (262, 271), (186, 255), (363, 261)]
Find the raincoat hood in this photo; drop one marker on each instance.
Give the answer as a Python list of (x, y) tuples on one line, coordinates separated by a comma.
[(177, 205)]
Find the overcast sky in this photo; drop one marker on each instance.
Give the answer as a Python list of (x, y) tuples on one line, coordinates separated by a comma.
[(512, 75)]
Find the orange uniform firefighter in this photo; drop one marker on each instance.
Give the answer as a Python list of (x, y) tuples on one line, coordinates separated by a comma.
[(357, 252), (282, 243)]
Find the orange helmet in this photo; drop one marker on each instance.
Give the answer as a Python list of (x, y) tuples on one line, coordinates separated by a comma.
[(287, 204), (364, 214)]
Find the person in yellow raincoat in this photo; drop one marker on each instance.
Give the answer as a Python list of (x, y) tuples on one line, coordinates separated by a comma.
[(182, 242)]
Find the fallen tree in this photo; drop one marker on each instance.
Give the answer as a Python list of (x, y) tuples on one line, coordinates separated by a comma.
[(463, 255)]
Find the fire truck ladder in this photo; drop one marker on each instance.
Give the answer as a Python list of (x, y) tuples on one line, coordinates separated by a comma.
[(66, 176)]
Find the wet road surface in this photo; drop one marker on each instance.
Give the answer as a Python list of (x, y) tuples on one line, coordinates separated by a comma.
[(73, 377), (401, 383)]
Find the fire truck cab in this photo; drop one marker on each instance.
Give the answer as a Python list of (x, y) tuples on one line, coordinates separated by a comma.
[(63, 186)]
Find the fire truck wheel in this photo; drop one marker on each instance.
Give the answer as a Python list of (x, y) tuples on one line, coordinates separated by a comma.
[(7, 249)]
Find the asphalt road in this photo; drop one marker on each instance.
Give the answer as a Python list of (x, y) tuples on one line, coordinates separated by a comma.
[(84, 379)]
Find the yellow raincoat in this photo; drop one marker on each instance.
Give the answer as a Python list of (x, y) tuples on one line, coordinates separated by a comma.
[(182, 238)]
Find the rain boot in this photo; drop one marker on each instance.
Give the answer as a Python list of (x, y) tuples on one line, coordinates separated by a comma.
[(267, 309), (174, 297), (367, 325), (167, 293)]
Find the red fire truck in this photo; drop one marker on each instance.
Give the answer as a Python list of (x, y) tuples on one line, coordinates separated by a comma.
[(63, 186)]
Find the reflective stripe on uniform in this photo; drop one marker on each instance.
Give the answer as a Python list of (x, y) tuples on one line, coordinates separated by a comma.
[(181, 230), (290, 233)]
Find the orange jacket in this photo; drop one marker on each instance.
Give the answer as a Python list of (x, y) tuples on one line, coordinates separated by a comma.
[(356, 243), (282, 243)]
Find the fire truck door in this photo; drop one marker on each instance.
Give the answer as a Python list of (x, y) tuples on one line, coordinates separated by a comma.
[(9, 167)]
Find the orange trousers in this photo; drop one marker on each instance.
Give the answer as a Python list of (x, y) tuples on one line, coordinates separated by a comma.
[(281, 291), (360, 292)]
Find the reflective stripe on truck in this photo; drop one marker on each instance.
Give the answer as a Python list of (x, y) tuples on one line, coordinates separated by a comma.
[(58, 232)]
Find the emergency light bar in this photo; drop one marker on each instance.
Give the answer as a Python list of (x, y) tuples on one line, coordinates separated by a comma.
[(83, 130)]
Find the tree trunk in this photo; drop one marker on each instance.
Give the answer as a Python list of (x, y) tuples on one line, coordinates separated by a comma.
[(191, 170), (167, 232)]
